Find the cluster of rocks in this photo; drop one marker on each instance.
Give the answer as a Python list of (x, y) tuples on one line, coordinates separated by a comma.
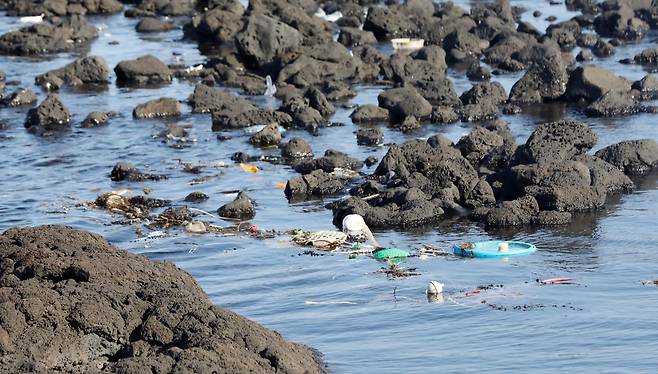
[(60, 8), (492, 179), (284, 40), (71, 302)]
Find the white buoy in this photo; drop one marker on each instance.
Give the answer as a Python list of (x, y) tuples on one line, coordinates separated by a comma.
[(434, 288), (32, 19), (503, 247)]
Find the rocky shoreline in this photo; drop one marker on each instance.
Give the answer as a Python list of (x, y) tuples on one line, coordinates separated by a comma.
[(71, 302)]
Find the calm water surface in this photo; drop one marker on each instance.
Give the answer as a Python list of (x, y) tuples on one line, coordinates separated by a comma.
[(604, 322)]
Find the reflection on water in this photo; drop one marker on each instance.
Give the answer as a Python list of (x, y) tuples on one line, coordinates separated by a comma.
[(361, 320)]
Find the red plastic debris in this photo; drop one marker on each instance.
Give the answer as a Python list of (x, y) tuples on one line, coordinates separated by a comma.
[(556, 280)]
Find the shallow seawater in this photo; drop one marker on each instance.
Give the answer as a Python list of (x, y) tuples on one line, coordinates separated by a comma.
[(361, 320)]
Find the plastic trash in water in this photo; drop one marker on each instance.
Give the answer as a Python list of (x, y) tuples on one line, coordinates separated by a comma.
[(333, 17), (557, 280), (390, 254), (434, 288), (493, 249), (31, 19), (321, 239), (407, 44), (196, 227), (249, 168), (271, 88), (193, 69)]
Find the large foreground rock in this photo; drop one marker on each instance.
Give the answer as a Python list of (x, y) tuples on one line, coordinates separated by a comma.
[(70, 302)]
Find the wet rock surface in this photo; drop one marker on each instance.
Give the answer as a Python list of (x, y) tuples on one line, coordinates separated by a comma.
[(109, 311), (20, 97), (128, 172), (68, 34), (50, 116), (160, 108), (143, 70), (87, 70), (241, 208)]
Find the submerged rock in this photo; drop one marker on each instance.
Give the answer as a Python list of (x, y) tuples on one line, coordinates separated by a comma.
[(241, 208), (105, 302), (96, 119), (297, 148), (126, 171)]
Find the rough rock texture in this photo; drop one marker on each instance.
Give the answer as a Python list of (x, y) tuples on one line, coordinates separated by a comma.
[(403, 102), (315, 183), (205, 99), (297, 148), (151, 8), (241, 208), (70, 302), (126, 171), (96, 119), (613, 103), (546, 79), (159, 108), (51, 115), (149, 24), (196, 197), (44, 37), (61, 7), (513, 213), (590, 83), (352, 37), (219, 24), (263, 38), (369, 113), (268, 136), (634, 157), (20, 97), (557, 141), (369, 136), (143, 70), (331, 160), (86, 70)]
